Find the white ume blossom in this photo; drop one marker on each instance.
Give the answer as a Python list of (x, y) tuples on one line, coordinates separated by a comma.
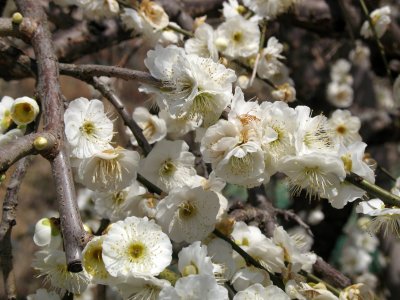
[(340, 91), (193, 86), (385, 218), (293, 255), (5, 113), (112, 169), (47, 234), (380, 20), (270, 64), (177, 126), (238, 37), (269, 8), (87, 127), (339, 94), (248, 276), (188, 214), (52, 265), (93, 263), (136, 247), (352, 157), (142, 288), (360, 55), (97, 9), (117, 205), (344, 126), (259, 246), (193, 260), (43, 294), (257, 291), (195, 287), (319, 174), (202, 44), (169, 165), (24, 110), (153, 128)]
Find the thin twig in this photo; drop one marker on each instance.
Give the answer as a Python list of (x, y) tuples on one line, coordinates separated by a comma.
[(288, 214), (387, 173), (247, 257), (8, 220), (110, 95)]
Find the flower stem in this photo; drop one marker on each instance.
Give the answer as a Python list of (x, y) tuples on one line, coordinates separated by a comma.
[(374, 190), (180, 30), (313, 278)]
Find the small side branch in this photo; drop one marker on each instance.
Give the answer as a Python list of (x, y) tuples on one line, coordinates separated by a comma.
[(374, 190), (110, 95), (8, 220)]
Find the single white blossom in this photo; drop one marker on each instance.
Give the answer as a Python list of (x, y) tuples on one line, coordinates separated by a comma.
[(238, 37), (136, 247), (195, 287), (87, 127), (380, 20), (188, 214), (112, 169)]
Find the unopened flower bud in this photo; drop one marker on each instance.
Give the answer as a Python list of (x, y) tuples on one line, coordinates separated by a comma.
[(243, 81), (221, 43), (285, 92), (24, 110), (17, 18), (226, 226), (241, 9), (40, 143)]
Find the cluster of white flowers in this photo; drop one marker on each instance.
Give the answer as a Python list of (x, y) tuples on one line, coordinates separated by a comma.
[(359, 251), (242, 142), (340, 90)]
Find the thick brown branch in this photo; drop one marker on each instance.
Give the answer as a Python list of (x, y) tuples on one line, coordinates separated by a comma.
[(83, 72), (20, 148), (48, 89), (8, 220), (87, 38), (71, 224)]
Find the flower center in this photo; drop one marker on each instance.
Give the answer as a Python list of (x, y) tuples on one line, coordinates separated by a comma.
[(136, 251), (167, 169), (118, 198), (87, 128), (348, 163), (241, 165), (190, 269), (149, 129), (341, 129), (237, 36), (187, 210)]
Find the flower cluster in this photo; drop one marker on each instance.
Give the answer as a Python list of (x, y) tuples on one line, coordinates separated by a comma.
[(203, 135)]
